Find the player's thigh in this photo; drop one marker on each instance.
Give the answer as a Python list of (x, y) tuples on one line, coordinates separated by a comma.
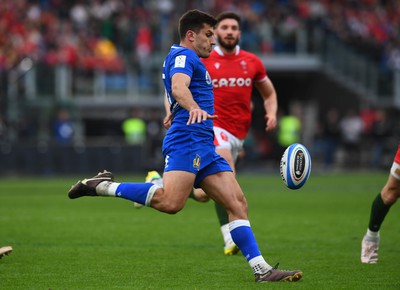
[(227, 155), (178, 185), (224, 189)]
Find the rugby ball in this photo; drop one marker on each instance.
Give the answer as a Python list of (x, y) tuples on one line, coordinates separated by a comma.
[(295, 166)]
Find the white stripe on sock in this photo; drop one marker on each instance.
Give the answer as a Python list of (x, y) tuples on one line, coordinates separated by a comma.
[(150, 194), (238, 223)]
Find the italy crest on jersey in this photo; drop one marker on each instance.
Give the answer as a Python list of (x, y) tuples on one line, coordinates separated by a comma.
[(196, 161)]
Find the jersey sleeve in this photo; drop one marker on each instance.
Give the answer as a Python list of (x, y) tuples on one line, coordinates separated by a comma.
[(183, 63), (261, 73)]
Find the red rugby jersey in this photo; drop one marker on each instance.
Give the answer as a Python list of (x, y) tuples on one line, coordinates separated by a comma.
[(233, 77)]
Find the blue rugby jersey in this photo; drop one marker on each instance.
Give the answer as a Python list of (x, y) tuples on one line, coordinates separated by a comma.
[(183, 60)]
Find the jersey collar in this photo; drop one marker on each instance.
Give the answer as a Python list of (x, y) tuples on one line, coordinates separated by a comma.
[(219, 51)]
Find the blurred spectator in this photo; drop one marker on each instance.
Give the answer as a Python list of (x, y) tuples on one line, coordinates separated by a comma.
[(286, 32), (3, 129), (289, 128), (134, 128), (155, 136), (351, 128), (381, 130), (368, 117), (106, 56), (79, 15), (144, 49), (27, 127), (63, 128), (330, 137)]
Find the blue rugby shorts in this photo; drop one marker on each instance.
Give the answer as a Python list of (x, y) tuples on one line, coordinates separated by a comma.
[(193, 152)]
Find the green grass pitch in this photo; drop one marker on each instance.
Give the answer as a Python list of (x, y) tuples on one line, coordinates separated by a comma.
[(105, 243)]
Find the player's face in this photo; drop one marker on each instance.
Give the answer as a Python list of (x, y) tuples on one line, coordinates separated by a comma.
[(203, 41), (228, 33)]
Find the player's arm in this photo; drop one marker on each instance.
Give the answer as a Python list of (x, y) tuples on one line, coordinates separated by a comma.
[(168, 115), (268, 93), (180, 90)]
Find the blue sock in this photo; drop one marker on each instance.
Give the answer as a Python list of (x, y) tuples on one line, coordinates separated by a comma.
[(134, 191), (243, 237)]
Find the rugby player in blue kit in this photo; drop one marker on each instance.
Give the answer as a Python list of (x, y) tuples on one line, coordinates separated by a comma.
[(189, 150)]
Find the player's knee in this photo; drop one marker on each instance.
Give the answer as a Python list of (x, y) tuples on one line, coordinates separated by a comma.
[(173, 207), (390, 194)]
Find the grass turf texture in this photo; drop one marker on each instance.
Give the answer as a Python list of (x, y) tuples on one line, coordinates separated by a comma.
[(104, 243)]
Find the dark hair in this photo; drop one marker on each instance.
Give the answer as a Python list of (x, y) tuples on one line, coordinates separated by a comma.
[(194, 20), (229, 15)]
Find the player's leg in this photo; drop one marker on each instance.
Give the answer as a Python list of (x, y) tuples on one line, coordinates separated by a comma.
[(225, 144), (230, 247), (198, 194), (153, 177), (379, 209), (228, 147), (177, 187), (170, 199), (223, 188)]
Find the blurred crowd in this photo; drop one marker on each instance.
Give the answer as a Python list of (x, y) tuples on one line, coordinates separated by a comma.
[(354, 139), (111, 34), (371, 27)]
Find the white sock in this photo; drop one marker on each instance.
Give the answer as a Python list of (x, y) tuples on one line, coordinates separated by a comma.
[(158, 182), (259, 265), (374, 235), (107, 188), (226, 234)]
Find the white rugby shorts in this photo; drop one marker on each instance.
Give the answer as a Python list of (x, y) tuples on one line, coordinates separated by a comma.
[(225, 140)]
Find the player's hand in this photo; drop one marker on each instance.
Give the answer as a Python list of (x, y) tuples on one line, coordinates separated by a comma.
[(168, 120), (270, 123), (198, 116)]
